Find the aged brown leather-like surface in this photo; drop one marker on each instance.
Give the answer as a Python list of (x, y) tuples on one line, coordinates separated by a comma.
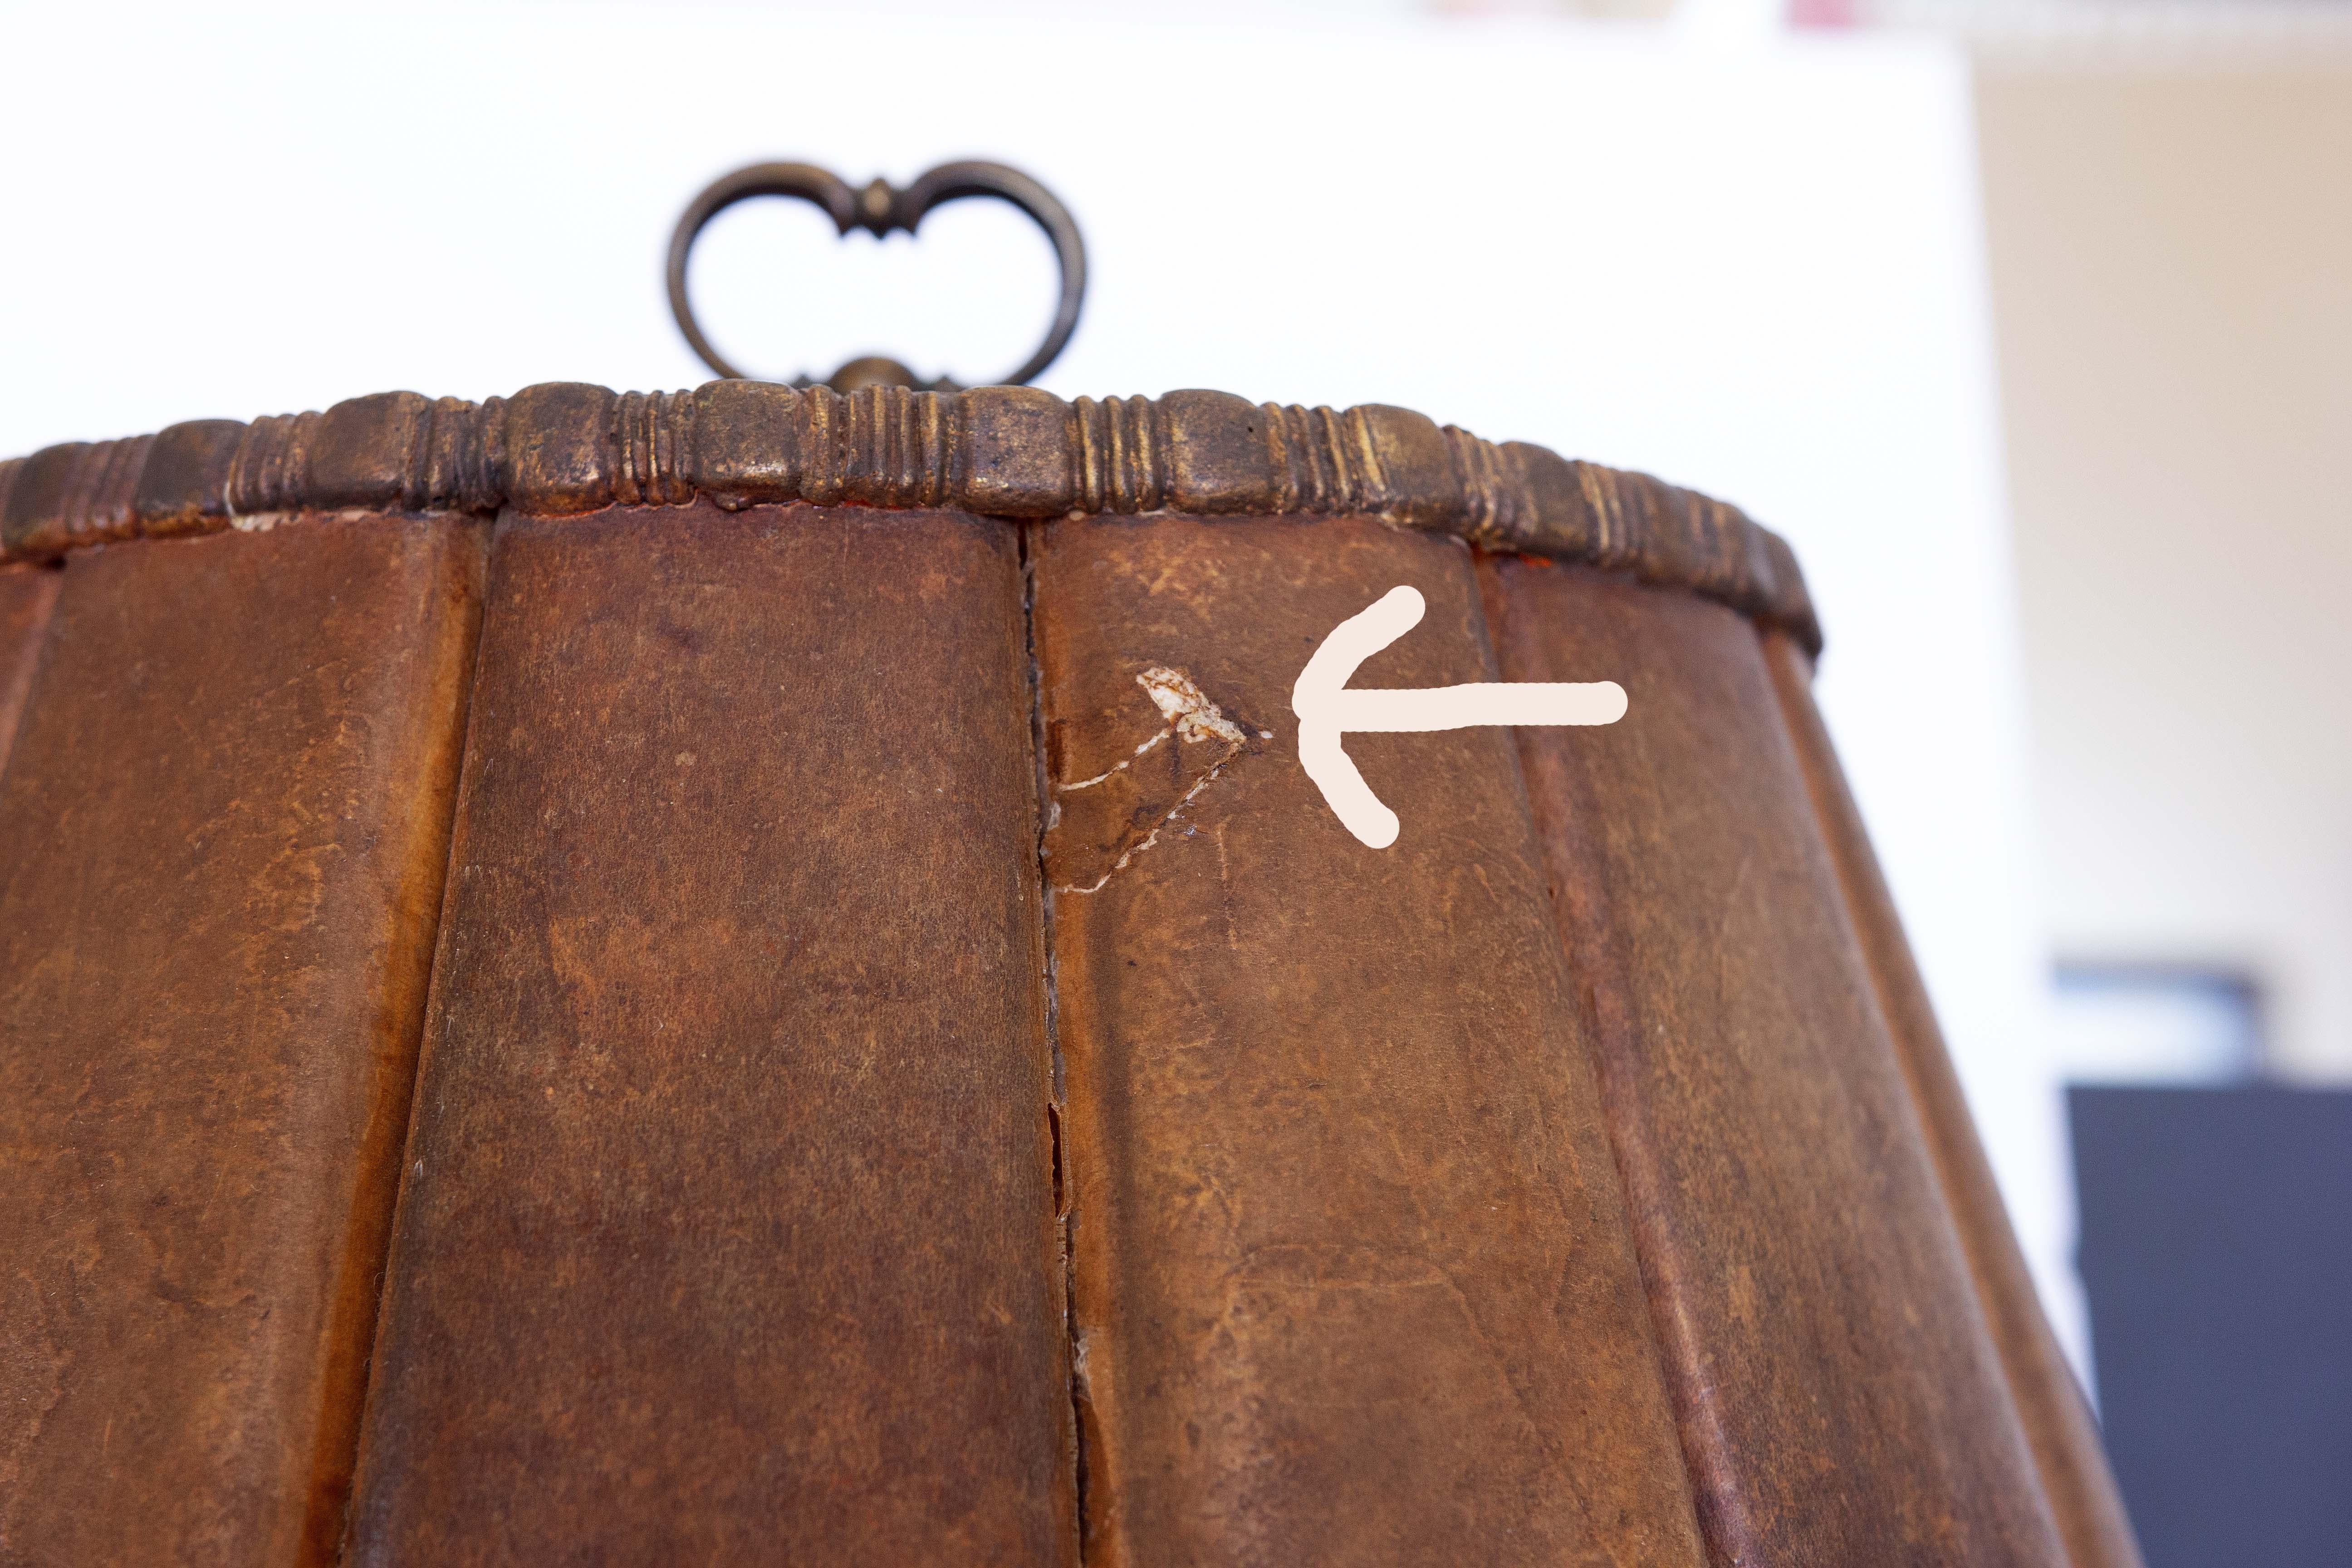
[(222, 836), (819, 1157), (27, 594), (1838, 1392), (727, 1225), (1352, 1276), (2057, 1418)]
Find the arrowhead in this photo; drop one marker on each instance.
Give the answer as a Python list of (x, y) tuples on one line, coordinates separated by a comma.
[(1315, 698)]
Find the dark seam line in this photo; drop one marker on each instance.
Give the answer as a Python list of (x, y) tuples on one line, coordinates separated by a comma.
[(461, 720), (1493, 610), (29, 655), (1056, 1109)]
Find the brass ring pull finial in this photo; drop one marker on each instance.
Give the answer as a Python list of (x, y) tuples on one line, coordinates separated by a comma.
[(879, 208)]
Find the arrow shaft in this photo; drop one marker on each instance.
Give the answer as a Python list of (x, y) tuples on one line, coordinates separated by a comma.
[(1364, 710)]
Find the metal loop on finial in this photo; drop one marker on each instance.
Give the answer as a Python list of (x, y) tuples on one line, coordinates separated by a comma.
[(879, 208)]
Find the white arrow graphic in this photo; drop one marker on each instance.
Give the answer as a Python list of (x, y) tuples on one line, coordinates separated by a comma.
[(1328, 709)]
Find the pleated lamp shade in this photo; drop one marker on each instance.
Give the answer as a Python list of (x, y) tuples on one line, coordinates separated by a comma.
[(754, 975)]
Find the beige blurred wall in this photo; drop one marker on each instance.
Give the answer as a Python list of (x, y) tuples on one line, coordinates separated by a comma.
[(2171, 256)]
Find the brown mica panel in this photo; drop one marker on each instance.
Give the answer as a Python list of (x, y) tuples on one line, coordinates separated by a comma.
[(223, 831), (726, 1232), (26, 596), (1353, 1281), (2057, 1418), (1839, 1394)]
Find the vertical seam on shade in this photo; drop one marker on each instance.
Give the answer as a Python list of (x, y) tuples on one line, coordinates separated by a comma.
[(25, 660), (1057, 1104), (1494, 611), (461, 719), (1813, 765)]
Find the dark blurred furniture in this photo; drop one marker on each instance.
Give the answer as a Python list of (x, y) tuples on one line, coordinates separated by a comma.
[(2217, 1245)]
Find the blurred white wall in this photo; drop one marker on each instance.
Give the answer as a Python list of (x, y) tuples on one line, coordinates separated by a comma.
[(1751, 265), (2171, 241)]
